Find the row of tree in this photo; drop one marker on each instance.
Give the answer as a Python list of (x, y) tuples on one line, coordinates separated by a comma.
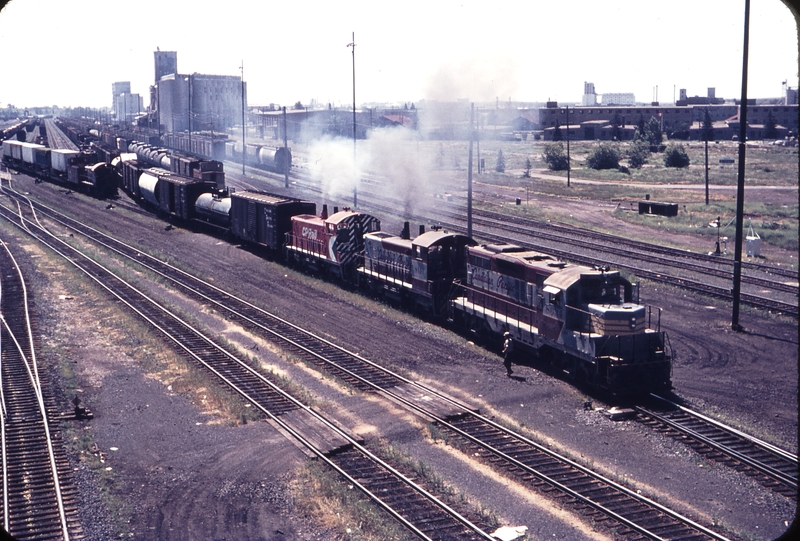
[(607, 156), (648, 138)]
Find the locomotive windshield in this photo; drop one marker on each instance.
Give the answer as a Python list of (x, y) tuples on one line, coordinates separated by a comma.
[(602, 289)]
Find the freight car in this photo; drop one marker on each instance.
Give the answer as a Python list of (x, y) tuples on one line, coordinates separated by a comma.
[(581, 320), (265, 219), (76, 170), (266, 157), (167, 193), (181, 164), (211, 147)]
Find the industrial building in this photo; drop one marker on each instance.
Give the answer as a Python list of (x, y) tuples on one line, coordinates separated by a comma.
[(195, 102)]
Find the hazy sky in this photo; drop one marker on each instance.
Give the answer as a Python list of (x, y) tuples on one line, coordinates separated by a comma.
[(57, 52)]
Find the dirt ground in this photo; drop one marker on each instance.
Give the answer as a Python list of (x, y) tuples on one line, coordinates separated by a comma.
[(181, 470)]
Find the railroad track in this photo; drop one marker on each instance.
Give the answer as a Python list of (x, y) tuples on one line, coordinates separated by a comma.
[(380, 484), (637, 250), (57, 138), (37, 490), (599, 498), (773, 467)]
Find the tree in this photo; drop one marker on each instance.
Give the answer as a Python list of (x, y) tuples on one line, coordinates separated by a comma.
[(638, 153), (675, 156), (770, 131), (527, 173), (708, 127), (653, 133), (639, 132), (679, 130), (298, 106), (616, 122), (500, 165), (555, 157), (603, 157)]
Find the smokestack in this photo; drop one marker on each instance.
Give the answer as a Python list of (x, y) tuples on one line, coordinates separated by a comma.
[(335, 210), (421, 229), (406, 234), (324, 214)]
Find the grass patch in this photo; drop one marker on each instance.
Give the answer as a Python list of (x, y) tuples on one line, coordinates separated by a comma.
[(764, 164), (325, 496), (322, 495), (777, 225)]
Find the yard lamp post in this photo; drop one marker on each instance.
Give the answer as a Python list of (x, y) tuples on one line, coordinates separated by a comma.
[(243, 119), (355, 173), (568, 164)]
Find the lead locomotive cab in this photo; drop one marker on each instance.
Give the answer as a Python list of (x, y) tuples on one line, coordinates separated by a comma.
[(582, 320)]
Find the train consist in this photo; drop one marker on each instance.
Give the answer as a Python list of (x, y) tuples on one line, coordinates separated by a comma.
[(78, 170), (581, 321)]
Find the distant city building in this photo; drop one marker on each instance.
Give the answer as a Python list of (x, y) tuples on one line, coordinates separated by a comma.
[(117, 89), (709, 99), (609, 122), (195, 102), (619, 98), (791, 96), (127, 106), (589, 95)]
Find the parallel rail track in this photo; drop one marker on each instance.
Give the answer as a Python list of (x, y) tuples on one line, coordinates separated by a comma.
[(413, 512), (39, 498), (773, 467), (57, 138), (602, 499)]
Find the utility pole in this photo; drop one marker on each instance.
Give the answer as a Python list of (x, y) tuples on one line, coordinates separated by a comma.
[(189, 80), (568, 164), (243, 119), (737, 257), (355, 172), (285, 152), (706, 138), (478, 141), (469, 174)]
